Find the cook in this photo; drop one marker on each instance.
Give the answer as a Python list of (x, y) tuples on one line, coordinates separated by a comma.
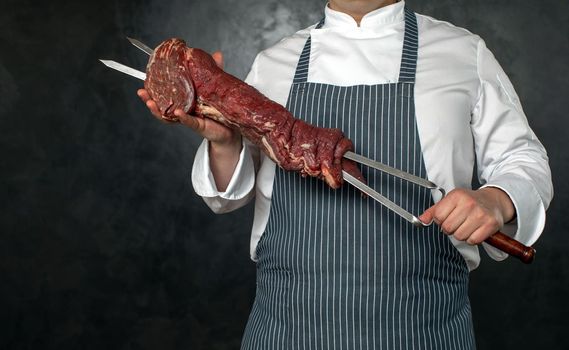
[(335, 270)]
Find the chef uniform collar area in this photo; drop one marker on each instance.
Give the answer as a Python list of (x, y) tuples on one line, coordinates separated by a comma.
[(389, 14)]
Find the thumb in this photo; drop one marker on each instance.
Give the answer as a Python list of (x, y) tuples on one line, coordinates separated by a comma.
[(218, 58), (428, 215)]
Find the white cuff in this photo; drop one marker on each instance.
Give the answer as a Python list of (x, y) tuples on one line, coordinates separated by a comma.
[(241, 183), (530, 212)]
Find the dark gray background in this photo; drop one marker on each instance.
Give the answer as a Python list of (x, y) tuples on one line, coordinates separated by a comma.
[(104, 244)]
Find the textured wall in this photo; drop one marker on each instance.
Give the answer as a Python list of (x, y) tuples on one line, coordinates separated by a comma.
[(104, 244)]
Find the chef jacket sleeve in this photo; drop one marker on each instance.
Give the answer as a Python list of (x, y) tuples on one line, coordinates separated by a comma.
[(509, 155), (241, 187)]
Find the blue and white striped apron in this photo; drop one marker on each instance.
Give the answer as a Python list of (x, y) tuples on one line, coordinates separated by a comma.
[(339, 271)]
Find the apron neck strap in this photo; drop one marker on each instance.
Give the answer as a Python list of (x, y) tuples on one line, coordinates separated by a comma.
[(408, 57), (410, 47), (301, 74)]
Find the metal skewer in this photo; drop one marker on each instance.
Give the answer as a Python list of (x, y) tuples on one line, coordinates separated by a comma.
[(383, 200), (393, 171), (124, 69), (141, 46)]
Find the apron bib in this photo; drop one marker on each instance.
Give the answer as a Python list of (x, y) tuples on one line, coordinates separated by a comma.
[(339, 271)]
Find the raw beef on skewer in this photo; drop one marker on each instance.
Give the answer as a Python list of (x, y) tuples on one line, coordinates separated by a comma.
[(188, 78)]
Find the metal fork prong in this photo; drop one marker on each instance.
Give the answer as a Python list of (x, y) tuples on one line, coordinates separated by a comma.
[(393, 171), (390, 170), (383, 200), (417, 222), (124, 69), (140, 45)]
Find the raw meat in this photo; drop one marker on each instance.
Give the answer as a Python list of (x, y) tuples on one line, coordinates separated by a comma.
[(188, 78)]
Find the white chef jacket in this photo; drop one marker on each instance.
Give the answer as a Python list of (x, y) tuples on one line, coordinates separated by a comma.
[(466, 111)]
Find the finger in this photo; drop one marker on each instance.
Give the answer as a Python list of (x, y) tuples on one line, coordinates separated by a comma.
[(218, 58), (481, 234), (153, 108), (454, 220), (443, 209), (428, 215), (143, 94), (467, 229), (189, 121)]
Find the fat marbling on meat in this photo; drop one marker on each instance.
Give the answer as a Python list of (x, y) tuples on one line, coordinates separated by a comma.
[(178, 76)]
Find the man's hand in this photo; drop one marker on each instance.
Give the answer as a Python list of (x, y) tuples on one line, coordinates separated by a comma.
[(208, 128), (471, 216), (225, 143)]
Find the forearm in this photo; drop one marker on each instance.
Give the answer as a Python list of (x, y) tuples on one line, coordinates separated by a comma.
[(223, 160)]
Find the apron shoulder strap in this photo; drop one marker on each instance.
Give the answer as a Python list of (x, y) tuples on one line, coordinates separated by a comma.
[(408, 57), (301, 74), (410, 48)]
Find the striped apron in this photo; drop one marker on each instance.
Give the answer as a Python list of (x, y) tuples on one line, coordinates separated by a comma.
[(339, 271)]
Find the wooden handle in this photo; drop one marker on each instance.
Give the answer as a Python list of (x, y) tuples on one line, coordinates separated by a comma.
[(511, 246)]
